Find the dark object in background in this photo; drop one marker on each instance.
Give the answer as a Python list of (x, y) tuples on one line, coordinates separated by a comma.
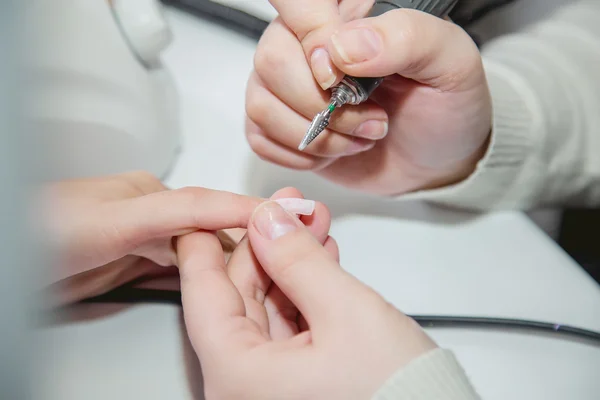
[(468, 12), (465, 13), (229, 17), (579, 237)]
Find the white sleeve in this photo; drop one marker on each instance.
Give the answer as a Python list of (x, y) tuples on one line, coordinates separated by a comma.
[(435, 375), (545, 144)]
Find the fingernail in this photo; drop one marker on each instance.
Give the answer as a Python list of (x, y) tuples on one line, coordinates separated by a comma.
[(297, 206), (375, 130), (320, 63), (272, 221), (356, 45), (359, 146)]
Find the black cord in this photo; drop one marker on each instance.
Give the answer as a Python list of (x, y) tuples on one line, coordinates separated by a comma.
[(229, 17), (464, 14), (129, 295), (451, 321)]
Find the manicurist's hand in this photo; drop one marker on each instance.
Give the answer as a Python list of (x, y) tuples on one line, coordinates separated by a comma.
[(111, 230), (283, 320), (426, 126)]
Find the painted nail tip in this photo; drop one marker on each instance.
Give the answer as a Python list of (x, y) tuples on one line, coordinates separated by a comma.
[(297, 206)]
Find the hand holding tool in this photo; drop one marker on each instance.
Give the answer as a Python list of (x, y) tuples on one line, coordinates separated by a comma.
[(352, 90)]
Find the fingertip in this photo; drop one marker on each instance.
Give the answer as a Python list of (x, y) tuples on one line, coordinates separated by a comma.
[(325, 72), (251, 128), (273, 152), (313, 214), (332, 248), (321, 212), (319, 222), (322, 68), (372, 130)]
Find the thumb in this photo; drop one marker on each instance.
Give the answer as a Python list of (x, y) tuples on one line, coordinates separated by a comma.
[(313, 22), (300, 266), (410, 43)]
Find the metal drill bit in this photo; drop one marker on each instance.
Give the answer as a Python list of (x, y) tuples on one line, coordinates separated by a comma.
[(318, 125), (356, 90), (346, 92)]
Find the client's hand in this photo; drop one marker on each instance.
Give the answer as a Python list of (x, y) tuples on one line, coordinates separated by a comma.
[(111, 230), (284, 320)]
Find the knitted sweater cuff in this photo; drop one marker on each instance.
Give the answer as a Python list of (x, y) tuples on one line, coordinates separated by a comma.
[(510, 160), (435, 375)]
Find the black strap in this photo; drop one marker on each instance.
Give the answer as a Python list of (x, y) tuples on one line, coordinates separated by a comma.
[(580, 238)]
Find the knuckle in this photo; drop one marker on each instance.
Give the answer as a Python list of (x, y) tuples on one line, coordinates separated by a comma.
[(470, 66), (318, 164), (410, 27), (408, 38), (269, 152), (312, 166), (189, 197), (150, 180), (143, 182), (469, 69), (256, 104), (356, 10), (288, 264), (193, 199), (452, 80), (268, 59), (190, 193), (258, 144)]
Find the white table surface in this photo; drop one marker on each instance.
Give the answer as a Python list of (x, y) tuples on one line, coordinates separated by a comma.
[(422, 259)]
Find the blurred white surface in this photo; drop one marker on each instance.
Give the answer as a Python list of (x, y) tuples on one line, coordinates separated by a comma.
[(422, 259), (94, 108)]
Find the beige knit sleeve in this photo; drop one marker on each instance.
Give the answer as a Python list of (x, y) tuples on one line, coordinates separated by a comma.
[(545, 146), (435, 375)]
